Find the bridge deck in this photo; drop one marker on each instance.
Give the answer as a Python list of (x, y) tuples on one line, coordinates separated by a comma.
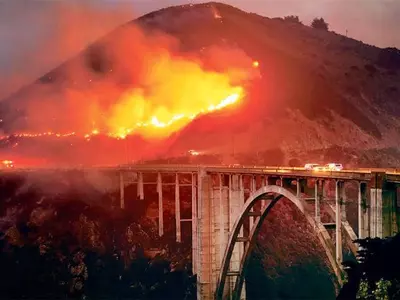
[(393, 175)]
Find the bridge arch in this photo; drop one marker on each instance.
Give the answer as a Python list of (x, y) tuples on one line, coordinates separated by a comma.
[(271, 194)]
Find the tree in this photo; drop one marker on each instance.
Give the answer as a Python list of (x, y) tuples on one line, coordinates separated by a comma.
[(320, 24), (377, 274), (292, 19)]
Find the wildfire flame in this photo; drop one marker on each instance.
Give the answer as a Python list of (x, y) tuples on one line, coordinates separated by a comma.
[(161, 124), (162, 93)]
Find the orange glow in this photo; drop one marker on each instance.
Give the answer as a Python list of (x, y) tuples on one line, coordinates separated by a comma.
[(184, 92), (256, 64), (7, 163), (122, 123), (183, 97), (152, 91)]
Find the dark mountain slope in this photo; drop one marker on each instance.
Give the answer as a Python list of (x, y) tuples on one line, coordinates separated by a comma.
[(318, 89)]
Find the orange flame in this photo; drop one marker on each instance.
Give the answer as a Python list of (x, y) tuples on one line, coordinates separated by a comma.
[(154, 126), (171, 92)]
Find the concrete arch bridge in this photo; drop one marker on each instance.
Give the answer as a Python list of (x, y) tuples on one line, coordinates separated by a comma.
[(229, 204)]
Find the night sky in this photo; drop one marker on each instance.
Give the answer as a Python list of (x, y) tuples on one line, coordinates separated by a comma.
[(36, 35)]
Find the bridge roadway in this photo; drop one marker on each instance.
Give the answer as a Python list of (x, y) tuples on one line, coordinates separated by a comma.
[(359, 174)]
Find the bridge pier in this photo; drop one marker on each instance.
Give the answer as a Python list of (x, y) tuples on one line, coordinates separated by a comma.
[(236, 200), (340, 196), (383, 214), (220, 225), (219, 205), (252, 190), (160, 206), (264, 182), (363, 226), (140, 190), (204, 235), (177, 210), (194, 223), (301, 185), (318, 194), (121, 190)]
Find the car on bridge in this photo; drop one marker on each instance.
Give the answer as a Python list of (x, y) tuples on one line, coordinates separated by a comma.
[(311, 166), (334, 167), (320, 168)]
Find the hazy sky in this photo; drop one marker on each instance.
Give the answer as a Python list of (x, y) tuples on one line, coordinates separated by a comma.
[(63, 27)]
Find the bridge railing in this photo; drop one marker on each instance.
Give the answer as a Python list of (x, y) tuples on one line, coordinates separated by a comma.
[(193, 168)]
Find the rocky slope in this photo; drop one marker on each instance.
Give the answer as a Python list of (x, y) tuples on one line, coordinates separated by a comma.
[(317, 89)]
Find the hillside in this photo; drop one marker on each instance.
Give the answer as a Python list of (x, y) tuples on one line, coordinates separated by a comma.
[(317, 90)]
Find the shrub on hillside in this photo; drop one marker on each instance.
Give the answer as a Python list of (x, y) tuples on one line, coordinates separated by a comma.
[(389, 58), (292, 19), (319, 23)]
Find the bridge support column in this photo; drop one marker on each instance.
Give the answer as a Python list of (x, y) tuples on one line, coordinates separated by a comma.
[(301, 185), (383, 207), (389, 209), (194, 224), (298, 188), (121, 190), (363, 226), (203, 255), (236, 199), (319, 186), (264, 182), (220, 226), (376, 205), (160, 206), (340, 216), (140, 190), (252, 190), (177, 209)]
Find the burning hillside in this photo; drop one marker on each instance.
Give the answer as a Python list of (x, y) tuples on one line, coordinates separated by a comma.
[(133, 82), (157, 81)]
